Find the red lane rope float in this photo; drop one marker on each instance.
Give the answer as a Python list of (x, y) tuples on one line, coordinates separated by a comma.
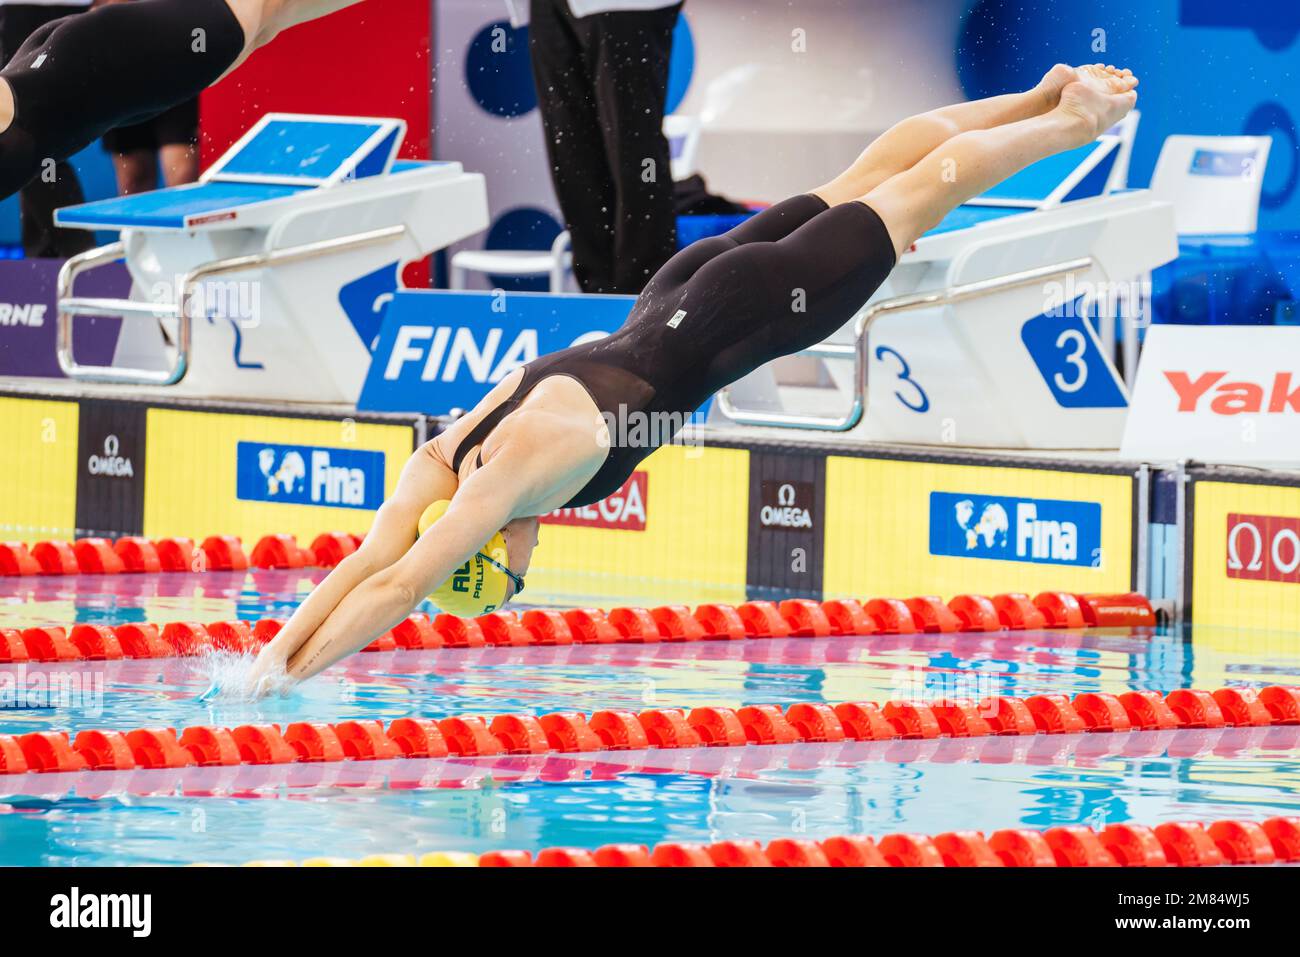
[(796, 617), (1182, 844), (217, 776), (667, 728), (134, 554)]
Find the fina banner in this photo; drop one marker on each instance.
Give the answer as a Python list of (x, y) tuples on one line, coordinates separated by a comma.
[(309, 475), (1217, 394), (441, 350), (977, 524), (1003, 528)]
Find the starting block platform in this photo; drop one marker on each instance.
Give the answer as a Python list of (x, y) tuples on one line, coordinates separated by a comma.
[(267, 279)]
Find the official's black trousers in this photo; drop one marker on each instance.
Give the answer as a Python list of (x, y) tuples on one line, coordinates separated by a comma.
[(601, 85), (38, 200)]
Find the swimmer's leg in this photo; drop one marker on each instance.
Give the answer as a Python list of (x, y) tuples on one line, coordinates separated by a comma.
[(909, 141), (914, 201), (265, 19), (80, 76), (897, 149)]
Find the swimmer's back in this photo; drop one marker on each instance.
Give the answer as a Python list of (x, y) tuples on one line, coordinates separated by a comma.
[(719, 309)]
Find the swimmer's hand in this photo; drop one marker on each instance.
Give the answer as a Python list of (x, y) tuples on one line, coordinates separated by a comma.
[(231, 679), (269, 674)]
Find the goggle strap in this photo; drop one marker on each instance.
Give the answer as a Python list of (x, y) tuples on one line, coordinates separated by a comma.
[(519, 582)]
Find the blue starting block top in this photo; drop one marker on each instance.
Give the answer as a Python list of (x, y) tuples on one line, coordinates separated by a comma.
[(964, 217), (174, 208), (1075, 174), (283, 155), (311, 150)]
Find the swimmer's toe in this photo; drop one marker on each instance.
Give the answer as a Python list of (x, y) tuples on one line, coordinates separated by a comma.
[(1106, 79)]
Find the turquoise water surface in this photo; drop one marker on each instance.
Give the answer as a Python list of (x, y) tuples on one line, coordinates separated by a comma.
[(354, 809)]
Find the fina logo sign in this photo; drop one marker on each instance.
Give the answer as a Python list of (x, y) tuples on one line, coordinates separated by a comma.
[(442, 350), (449, 350), (1034, 530), (482, 362), (310, 475), (1263, 548)]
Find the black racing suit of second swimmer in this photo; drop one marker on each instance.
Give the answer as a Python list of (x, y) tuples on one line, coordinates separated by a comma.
[(779, 282), (78, 77)]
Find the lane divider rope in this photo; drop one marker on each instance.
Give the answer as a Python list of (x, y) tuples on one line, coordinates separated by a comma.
[(748, 763), (793, 618), (622, 730), (1174, 844), (136, 554)]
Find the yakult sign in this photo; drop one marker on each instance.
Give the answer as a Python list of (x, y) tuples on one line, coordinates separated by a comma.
[(1218, 394)]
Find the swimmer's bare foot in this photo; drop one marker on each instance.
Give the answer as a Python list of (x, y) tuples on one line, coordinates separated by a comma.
[(1106, 79), (1053, 82), (1096, 110)]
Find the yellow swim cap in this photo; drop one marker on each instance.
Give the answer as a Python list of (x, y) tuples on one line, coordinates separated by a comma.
[(478, 586)]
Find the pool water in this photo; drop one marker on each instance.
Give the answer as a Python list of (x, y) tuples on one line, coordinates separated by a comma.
[(231, 815)]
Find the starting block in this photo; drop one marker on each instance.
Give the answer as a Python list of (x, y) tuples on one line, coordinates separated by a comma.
[(267, 279)]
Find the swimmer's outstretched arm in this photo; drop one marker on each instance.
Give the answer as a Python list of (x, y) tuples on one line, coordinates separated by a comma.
[(425, 478), (540, 462), (485, 502)]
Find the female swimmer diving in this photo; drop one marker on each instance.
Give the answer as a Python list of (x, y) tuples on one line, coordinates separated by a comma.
[(783, 280)]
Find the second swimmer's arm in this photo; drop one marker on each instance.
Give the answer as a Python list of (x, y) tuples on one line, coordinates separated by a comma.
[(477, 511)]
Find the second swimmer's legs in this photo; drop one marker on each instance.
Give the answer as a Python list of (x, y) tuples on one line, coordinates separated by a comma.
[(78, 77), (124, 63), (264, 19)]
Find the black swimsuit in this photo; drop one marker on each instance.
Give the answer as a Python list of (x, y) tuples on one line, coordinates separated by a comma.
[(778, 283), (76, 78)]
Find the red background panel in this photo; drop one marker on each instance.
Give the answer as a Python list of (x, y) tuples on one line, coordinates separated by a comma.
[(370, 60), (1266, 547)]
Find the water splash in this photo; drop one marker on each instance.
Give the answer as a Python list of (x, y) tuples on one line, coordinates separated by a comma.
[(230, 679)]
